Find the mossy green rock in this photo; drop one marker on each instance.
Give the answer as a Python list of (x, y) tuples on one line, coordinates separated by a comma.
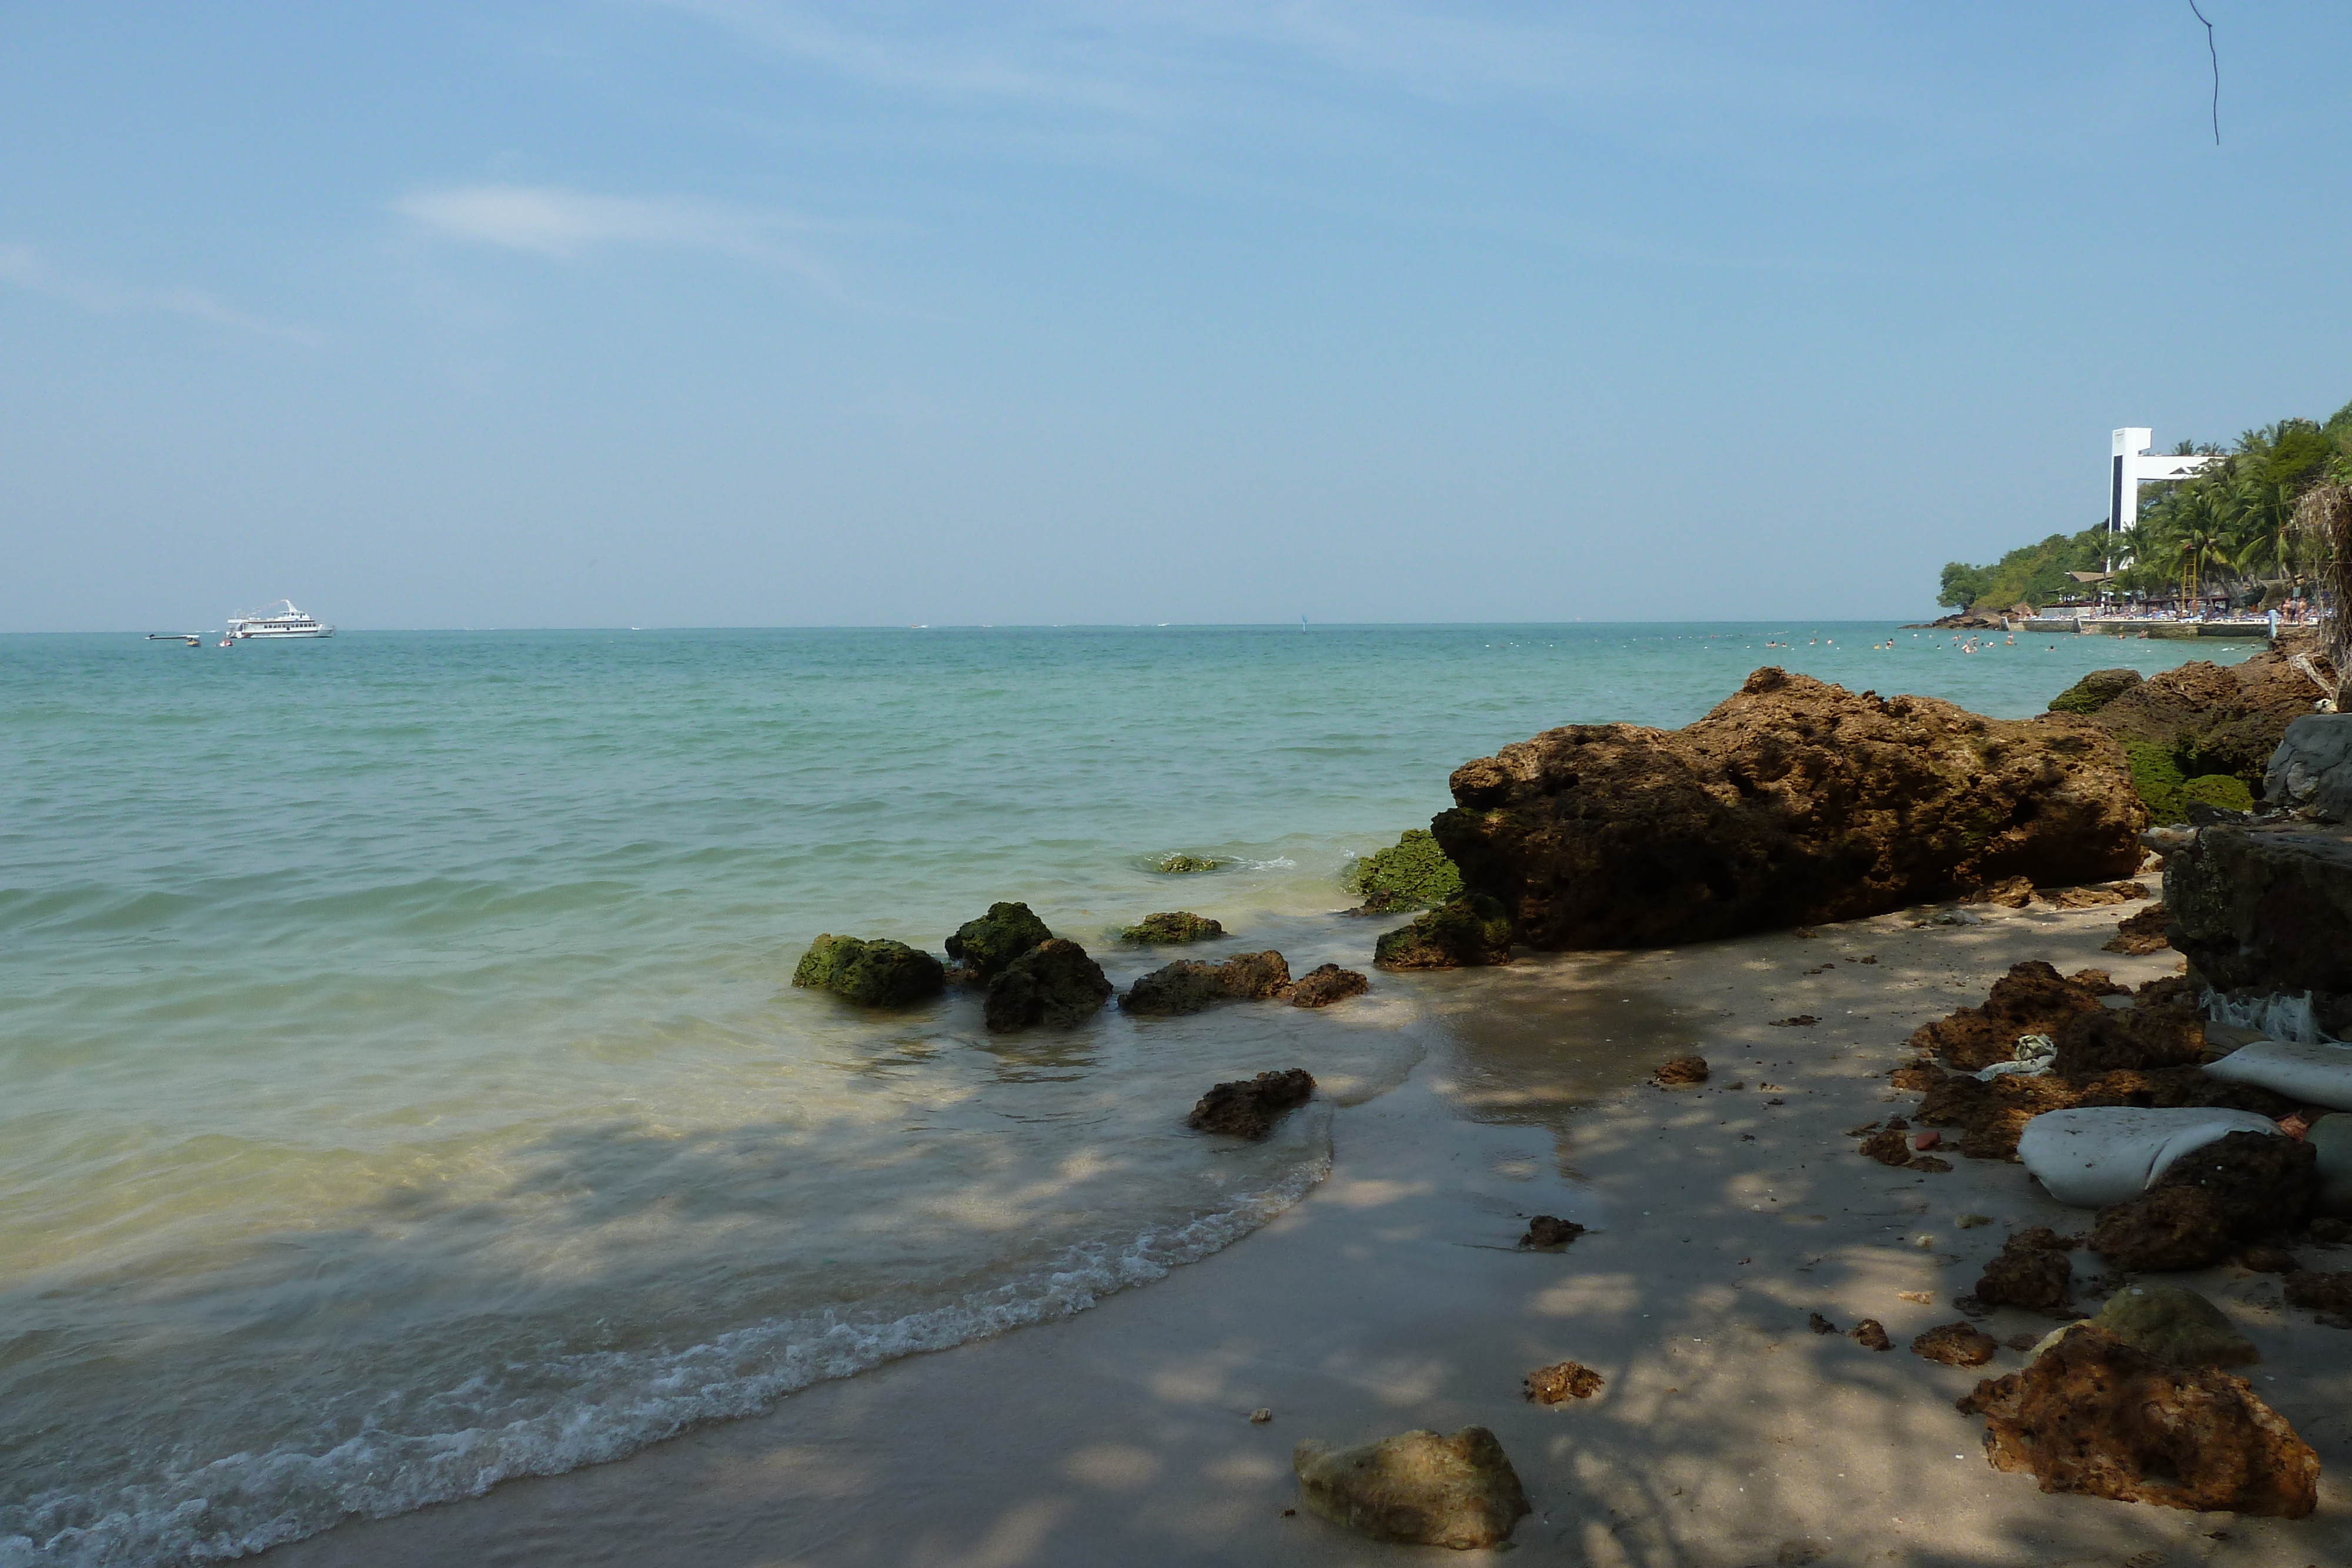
[(1178, 926), (2095, 690), (1180, 865), (2155, 775), (1460, 934), (1411, 874), (1053, 983), (875, 974), (2224, 790), (986, 945), (2174, 1326)]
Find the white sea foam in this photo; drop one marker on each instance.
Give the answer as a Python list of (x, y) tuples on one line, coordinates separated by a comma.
[(241, 1503)]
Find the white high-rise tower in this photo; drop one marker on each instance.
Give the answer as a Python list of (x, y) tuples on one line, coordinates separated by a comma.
[(2130, 467)]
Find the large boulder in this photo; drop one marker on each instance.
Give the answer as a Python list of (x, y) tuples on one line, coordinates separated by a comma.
[(1053, 983), (1459, 1491), (2311, 771), (2202, 721), (986, 945), (879, 973), (2093, 1415), (2265, 907), (1794, 802)]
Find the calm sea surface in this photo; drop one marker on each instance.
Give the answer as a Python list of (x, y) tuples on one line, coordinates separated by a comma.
[(401, 1088)]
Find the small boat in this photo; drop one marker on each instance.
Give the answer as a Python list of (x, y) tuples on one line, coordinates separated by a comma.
[(192, 639), (279, 620)]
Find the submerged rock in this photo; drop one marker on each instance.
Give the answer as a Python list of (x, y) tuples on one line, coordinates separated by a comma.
[(1561, 1382), (1184, 866), (1549, 1233), (1255, 977), (1955, 1345), (1052, 983), (1459, 1491), (986, 945), (1325, 984), (1249, 1107), (2093, 1415), (1462, 934), (1411, 874), (1166, 930), (2174, 1326), (1793, 803), (880, 973), (2211, 1202), (1188, 985)]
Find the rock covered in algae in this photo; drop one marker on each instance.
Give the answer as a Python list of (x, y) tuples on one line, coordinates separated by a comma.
[(1794, 802), (1053, 983), (2095, 690), (1325, 984), (877, 973), (1188, 985), (1411, 874), (1184, 866), (1168, 929), (1461, 934), (2174, 1326), (1249, 1107), (988, 944), (2095, 1416), (1459, 1491)]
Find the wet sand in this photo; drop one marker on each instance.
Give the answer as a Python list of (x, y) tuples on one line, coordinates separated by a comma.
[(1728, 1434)]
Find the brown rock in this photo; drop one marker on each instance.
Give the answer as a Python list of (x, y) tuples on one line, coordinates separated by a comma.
[(2141, 933), (2268, 1259), (2322, 1292), (1955, 1345), (1460, 934), (2214, 718), (1917, 1076), (1248, 1108), (2139, 1039), (2098, 982), (2031, 1271), (1550, 1232), (1459, 1491), (1871, 1335), (1792, 802), (2010, 893), (2209, 1203), (1188, 985), (1255, 977), (1680, 1071), (1053, 983), (2031, 998), (1325, 984), (1796, 1021), (1891, 1147), (2094, 1416), (1561, 1382), (2093, 897)]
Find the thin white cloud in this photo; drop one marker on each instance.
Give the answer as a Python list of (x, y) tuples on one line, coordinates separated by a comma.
[(22, 266), (553, 220)]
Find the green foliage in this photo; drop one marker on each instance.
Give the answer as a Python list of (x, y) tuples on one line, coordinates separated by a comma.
[(2224, 790), (990, 944), (875, 974), (2036, 574), (1411, 874), (1182, 926), (1963, 585)]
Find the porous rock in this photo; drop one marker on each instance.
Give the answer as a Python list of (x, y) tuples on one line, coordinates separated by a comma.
[(1792, 802), (2327, 1293), (1411, 874), (1168, 929), (2031, 998), (1255, 977), (1052, 983), (985, 946), (1955, 1345), (2093, 1415), (2095, 691), (2174, 1326), (1550, 1233), (2211, 1202), (2267, 908), (1680, 1071), (1184, 864), (2031, 1271), (1249, 1107), (1463, 932), (1188, 985), (1871, 1335), (1561, 1382), (1325, 984), (2137, 936), (2204, 729), (879, 973), (1459, 1491)]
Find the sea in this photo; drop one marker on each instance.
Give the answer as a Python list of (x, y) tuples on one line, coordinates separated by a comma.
[(402, 1088)]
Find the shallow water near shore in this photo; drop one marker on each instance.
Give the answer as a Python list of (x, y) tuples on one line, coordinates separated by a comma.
[(400, 1085)]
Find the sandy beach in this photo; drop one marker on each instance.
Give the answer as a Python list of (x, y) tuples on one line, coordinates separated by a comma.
[(1726, 1434)]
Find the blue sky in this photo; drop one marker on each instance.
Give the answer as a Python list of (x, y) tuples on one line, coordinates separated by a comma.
[(749, 312)]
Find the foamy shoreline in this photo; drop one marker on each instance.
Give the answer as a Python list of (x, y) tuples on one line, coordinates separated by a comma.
[(1392, 1297)]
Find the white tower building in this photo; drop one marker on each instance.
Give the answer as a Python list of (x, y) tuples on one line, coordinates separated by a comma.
[(2132, 466)]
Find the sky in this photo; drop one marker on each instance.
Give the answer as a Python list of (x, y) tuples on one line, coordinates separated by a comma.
[(753, 312)]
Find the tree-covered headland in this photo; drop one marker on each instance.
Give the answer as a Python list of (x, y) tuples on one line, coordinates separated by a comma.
[(2230, 533)]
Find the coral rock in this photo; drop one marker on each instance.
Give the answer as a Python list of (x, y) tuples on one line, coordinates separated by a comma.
[(2093, 1415), (1681, 1070), (2211, 1202), (2031, 998), (1254, 976), (988, 944), (1459, 1491), (1461, 934), (1561, 1382), (2177, 1326), (875, 974), (1168, 929), (1955, 1345), (1188, 984), (2141, 933), (1793, 803), (1053, 983), (1871, 1335), (2031, 1271), (1249, 1107), (1325, 984), (1551, 1232)]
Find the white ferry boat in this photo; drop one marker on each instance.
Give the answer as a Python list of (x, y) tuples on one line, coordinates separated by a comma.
[(279, 620)]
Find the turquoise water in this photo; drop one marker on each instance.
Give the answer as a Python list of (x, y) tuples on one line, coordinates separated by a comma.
[(400, 1085)]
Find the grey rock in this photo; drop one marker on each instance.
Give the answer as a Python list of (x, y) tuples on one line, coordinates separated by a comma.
[(2311, 771), (1459, 1491), (2331, 1137)]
